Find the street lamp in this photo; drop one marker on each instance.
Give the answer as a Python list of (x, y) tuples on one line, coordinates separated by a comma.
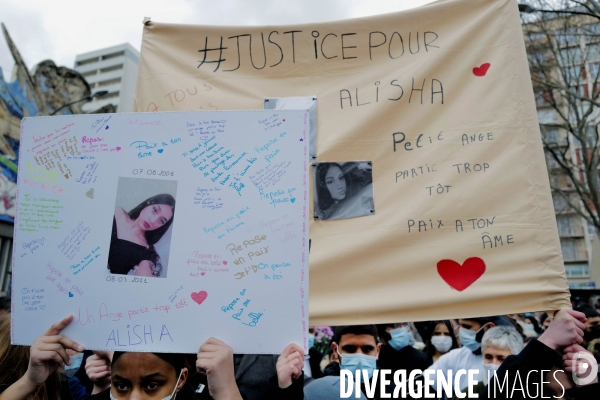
[(98, 94), (525, 8)]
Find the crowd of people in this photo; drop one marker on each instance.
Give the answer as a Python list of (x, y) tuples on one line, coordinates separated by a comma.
[(496, 348)]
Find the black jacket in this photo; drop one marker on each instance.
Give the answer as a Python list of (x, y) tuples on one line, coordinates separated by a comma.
[(536, 356), (407, 358)]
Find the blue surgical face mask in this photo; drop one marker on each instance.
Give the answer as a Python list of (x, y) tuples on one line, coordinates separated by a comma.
[(311, 340), (400, 338), (171, 397), (354, 362), (75, 362), (530, 327), (467, 338)]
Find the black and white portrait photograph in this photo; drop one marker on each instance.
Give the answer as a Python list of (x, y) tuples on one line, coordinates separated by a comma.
[(343, 190), (141, 229)]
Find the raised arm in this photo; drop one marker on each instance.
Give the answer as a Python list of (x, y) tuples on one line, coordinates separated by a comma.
[(46, 355), (215, 360)]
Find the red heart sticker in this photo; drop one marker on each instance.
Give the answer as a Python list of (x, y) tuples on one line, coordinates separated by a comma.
[(199, 297), (458, 276), (482, 70)]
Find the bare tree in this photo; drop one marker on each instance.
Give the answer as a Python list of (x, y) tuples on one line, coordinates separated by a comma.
[(564, 58)]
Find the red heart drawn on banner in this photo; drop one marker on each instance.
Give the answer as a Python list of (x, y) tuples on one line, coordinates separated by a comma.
[(199, 297), (224, 262), (482, 70), (202, 273), (458, 276)]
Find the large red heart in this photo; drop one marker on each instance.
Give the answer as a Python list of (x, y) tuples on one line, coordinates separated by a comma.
[(481, 71), (458, 276), (199, 297)]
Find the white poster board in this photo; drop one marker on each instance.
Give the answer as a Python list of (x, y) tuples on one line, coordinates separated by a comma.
[(160, 230)]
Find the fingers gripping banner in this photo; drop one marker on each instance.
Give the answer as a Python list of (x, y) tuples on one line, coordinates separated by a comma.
[(431, 197)]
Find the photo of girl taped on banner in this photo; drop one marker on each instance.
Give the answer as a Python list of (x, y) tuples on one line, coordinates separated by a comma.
[(343, 190)]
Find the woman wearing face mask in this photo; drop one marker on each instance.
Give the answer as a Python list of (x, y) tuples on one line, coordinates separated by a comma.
[(497, 344), (134, 375), (396, 352), (442, 340), (163, 376), (469, 355)]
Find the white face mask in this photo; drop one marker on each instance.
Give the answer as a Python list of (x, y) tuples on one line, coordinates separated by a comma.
[(490, 370), (441, 343), (171, 397)]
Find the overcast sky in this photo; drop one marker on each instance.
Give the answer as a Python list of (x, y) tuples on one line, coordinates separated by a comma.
[(60, 29)]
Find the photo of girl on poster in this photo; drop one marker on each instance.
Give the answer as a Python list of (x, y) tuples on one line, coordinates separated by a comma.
[(343, 190), (138, 244)]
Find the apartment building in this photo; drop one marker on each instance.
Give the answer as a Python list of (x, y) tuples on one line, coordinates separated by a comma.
[(113, 69), (564, 55)]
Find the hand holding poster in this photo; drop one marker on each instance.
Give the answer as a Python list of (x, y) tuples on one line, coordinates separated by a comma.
[(439, 100), (158, 231)]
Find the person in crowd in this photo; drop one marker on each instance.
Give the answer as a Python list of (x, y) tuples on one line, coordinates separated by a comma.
[(497, 344), (30, 373), (98, 370), (135, 233), (343, 192), (357, 349), (4, 305), (545, 320), (252, 372), (79, 384), (312, 362), (532, 323), (133, 374), (469, 355), (442, 340), (592, 324), (396, 352), (288, 383), (552, 357)]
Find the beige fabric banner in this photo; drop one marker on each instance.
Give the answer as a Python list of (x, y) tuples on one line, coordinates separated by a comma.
[(439, 99)]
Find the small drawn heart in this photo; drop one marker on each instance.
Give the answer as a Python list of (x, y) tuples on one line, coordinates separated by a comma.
[(202, 273), (482, 70), (293, 199), (118, 148), (71, 294), (302, 140), (283, 120), (106, 127), (458, 276), (199, 297), (90, 193), (42, 307), (224, 262), (41, 241), (160, 150)]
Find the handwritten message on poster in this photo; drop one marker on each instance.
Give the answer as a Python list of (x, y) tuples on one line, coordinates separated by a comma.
[(160, 230), (439, 99)]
